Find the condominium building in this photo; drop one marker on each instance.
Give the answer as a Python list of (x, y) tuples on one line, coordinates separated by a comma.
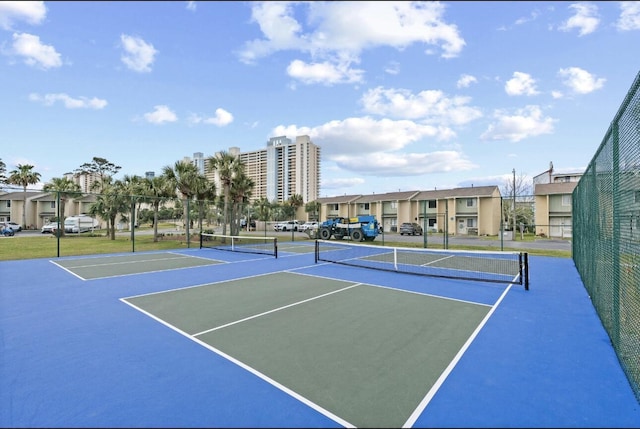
[(284, 168)]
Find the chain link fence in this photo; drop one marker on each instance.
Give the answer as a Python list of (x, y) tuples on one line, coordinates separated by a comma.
[(606, 240)]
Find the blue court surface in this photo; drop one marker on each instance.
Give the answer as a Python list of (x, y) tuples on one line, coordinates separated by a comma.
[(212, 338)]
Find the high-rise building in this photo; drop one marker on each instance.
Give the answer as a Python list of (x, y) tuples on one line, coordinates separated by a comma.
[(281, 170)]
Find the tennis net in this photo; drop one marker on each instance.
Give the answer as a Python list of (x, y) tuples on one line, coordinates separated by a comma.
[(488, 266), (235, 243)]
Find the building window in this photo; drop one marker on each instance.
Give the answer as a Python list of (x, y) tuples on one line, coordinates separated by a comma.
[(394, 204), (53, 204), (8, 203), (471, 202), (566, 200), (432, 204), (471, 223), (365, 206), (637, 198)]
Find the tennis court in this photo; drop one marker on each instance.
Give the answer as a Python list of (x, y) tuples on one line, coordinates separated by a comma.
[(210, 338)]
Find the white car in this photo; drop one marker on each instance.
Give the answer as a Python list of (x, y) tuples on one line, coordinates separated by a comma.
[(16, 227), (291, 225), (49, 228), (308, 225)]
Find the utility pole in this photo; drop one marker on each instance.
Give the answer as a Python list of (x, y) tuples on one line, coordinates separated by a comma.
[(513, 231)]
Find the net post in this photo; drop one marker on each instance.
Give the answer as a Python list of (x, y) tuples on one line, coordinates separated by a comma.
[(201, 239), (275, 247), (317, 250), (526, 271)]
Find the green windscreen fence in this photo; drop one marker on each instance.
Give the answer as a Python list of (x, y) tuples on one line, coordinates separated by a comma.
[(606, 239)]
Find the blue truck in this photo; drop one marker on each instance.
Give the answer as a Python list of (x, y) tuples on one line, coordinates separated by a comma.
[(359, 228)]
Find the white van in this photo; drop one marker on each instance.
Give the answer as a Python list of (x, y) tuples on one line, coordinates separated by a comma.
[(80, 223)]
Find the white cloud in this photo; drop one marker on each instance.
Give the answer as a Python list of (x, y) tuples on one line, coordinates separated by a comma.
[(191, 5), (34, 52), (332, 35), (68, 101), (368, 146), (521, 84), (324, 73), (340, 183), (392, 68), (31, 12), (465, 81), (404, 164), (139, 55), (524, 123), (160, 115), (585, 19), (629, 16), (432, 106), (580, 81), (221, 118)]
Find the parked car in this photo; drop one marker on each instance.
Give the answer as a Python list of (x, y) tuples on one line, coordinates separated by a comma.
[(16, 227), (291, 225), (410, 229), (6, 230), (308, 225), (49, 228)]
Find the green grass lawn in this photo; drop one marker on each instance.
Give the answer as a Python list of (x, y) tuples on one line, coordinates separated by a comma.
[(49, 246)]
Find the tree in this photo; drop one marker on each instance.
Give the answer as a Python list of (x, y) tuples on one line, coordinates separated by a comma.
[(521, 187), (100, 167), (156, 190), (241, 191), (262, 208), (65, 189), (24, 176), (313, 207), (205, 192), (295, 201), (184, 177), (112, 201), (227, 166)]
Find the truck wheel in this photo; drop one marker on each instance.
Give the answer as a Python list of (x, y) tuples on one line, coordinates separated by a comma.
[(356, 235), (325, 234)]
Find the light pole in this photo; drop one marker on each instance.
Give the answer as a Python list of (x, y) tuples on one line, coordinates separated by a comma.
[(513, 231)]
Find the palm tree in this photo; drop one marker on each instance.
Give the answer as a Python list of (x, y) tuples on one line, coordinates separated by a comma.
[(184, 177), (24, 176), (65, 189), (262, 208), (112, 201), (205, 191), (313, 207), (241, 191), (156, 190), (227, 166), (295, 201)]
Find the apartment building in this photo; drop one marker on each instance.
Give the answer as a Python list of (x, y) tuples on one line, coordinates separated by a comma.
[(284, 168), (461, 211), (553, 202)]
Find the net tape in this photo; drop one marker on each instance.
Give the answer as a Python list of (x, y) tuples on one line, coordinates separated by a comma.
[(244, 244), (500, 267)]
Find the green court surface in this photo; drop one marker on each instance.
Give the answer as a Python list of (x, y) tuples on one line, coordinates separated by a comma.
[(108, 266), (363, 354)]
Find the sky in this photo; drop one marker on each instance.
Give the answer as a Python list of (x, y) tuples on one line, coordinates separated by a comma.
[(399, 96)]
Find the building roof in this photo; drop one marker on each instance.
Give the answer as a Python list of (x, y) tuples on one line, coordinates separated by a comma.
[(18, 195), (471, 191), (554, 188), (388, 196)]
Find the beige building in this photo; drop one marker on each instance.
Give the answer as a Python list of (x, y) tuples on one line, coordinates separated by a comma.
[(553, 203), (461, 211)]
